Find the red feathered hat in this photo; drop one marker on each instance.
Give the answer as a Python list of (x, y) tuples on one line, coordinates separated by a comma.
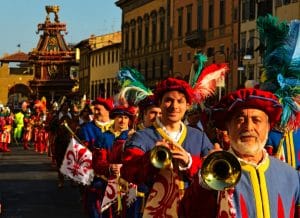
[(107, 103), (247, 98), (123, 110), (172, 84)]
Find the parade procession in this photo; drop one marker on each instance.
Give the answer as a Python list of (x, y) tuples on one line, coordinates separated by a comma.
[(130, 140)]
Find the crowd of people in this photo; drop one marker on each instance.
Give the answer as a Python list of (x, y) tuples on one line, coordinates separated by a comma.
[(123, 139), (155, 149)]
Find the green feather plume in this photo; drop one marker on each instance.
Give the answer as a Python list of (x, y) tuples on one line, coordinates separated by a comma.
[(133, 89)]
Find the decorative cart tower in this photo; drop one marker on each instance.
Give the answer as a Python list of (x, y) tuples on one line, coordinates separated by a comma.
[(52, 61)]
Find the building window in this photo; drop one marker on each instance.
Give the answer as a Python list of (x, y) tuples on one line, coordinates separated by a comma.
[(278, 3), (200, 14), (265, 7), (179, 57), (250, 71), (99, 59), (248, 10), (117, 55), (140, 31), (245, 10), (108, 89), (112, 56), (161, 67), (153, 69), (180, 21), (211, 14), (101, 89), (126, 37), (189, 18), (162, 29), (93, 90), (210, 51), (103, 58), (154, 27), (146, 30), (243, 43), (132, 34), (222, 12), (146, 69), (108, 57), (126, 41), (133, 39), (115, 87), (222, 49), (188, 56), (250, 43), (252, 9)]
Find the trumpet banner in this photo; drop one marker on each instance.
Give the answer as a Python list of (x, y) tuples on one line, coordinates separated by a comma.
[(77, 163), (163, 200)]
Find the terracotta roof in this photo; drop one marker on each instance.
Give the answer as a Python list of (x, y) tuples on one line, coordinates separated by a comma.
[(16, 57)]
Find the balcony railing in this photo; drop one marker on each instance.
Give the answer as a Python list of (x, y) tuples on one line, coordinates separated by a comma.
[(195, 38)]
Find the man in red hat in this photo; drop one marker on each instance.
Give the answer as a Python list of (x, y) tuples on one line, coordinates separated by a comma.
[(91, 134), (185, 144), (267, 187), (107, 158)]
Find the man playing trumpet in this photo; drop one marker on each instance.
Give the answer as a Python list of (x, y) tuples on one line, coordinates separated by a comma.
[(267, 187), (166, 172)]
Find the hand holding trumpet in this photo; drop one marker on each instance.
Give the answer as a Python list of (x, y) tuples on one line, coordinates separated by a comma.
[(177, 153)]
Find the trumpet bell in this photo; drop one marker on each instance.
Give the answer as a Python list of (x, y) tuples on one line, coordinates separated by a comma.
[(221, 170), (160, 157)]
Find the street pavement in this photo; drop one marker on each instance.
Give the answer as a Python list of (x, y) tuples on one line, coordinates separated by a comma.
[(28, 188)]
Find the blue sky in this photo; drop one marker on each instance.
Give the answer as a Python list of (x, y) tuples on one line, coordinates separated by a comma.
[(19, 20)]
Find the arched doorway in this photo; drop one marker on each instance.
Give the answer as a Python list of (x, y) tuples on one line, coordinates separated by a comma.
[(17, 94)]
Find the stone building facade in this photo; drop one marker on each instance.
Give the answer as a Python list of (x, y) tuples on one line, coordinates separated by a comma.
[(99, 64), (249, 39), (146, 36), (160, 38), (15, 74)]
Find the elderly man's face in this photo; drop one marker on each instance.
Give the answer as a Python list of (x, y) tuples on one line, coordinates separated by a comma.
[(248, 131)]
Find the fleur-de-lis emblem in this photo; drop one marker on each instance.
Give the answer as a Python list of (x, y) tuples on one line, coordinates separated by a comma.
[(78, 161)]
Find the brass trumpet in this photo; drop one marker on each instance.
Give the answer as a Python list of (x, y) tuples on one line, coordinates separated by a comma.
[(160, 157), (221, 170)]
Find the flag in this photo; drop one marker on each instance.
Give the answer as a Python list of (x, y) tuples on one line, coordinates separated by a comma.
[(118, 188), (77, 163), (110, 195)]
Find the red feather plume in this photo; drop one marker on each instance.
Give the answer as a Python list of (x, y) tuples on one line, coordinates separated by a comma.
[(208, 79)]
